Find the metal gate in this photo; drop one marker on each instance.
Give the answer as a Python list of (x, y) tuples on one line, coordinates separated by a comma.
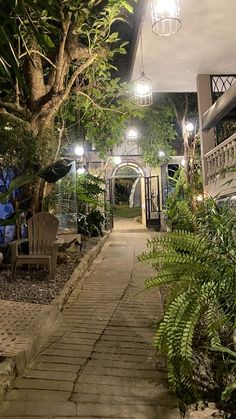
[(108, 203), (152, 196)]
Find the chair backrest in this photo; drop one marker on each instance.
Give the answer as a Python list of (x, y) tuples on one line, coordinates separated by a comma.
[(42, 231)]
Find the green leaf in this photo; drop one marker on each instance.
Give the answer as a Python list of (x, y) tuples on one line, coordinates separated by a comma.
[(17, 183), (227, 393)]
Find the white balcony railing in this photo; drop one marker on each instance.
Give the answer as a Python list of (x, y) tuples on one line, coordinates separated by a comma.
[(219, 160)]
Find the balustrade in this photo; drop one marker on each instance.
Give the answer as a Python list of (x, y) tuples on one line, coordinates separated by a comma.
[(220, 160)]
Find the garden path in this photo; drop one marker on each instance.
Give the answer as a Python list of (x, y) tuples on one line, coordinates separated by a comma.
[(99, 361), (127, 224)]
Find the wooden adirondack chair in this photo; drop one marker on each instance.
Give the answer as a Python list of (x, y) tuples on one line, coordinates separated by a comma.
[(42, 231)]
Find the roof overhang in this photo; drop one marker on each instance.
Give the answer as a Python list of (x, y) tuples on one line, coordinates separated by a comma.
[(204, 45)]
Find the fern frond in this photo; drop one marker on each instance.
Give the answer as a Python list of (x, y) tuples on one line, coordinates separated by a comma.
[(165, 277), (214, 318)]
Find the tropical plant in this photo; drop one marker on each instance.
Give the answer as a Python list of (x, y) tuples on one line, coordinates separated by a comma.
[(19, 196), (182, 203), (91, 224), (89, 191), (225, 376), (95, 222), (200, 270)]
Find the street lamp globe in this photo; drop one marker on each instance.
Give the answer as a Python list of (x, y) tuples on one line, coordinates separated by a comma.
[(189, 127), (161, 154), (117, 160), (79, 150), (81, 170)]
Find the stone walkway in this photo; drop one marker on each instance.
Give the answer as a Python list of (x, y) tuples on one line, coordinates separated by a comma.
[(99, 361)]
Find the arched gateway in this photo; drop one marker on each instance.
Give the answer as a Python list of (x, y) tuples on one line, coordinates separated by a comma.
[(131, 167)]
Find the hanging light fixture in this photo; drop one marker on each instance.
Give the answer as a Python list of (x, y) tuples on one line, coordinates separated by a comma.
[(132, 133), (165, 17), (142, 85)]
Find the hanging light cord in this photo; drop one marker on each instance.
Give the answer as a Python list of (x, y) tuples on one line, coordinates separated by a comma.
[(141, 49)]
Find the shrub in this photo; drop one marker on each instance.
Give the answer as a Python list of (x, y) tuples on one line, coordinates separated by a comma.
[(200, 267)]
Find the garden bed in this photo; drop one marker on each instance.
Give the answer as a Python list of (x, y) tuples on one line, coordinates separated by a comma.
[(34, 286)]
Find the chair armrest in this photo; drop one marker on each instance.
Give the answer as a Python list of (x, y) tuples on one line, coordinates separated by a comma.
[(59, 241), (18, 242), (15, 246)]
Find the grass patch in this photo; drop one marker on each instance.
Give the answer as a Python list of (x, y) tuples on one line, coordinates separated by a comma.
[(124, 211)]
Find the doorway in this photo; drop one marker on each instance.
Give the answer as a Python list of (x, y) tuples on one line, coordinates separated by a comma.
[(128, 197)]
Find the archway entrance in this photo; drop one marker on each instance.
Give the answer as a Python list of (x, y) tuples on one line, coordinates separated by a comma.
[(128, 197)]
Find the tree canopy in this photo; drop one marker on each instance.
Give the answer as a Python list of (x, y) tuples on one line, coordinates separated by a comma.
[(52, 52), (158, 132)]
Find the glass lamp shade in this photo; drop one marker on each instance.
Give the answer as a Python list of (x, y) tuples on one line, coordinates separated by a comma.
[(143, 90), (165, 17)]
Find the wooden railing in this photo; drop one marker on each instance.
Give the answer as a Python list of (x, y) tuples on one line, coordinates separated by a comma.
[(219, 160)]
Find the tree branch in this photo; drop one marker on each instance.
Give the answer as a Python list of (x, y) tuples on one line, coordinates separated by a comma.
[(61, 131), (186, 107), (96, 104), (34, 51), (35, 77), (15, 107), (15, 118), (173, 105), (60, 60), (77, 72)]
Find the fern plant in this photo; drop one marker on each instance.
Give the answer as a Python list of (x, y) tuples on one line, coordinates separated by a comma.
[(200, 267)]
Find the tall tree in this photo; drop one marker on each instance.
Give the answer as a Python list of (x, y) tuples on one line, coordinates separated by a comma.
[(50, 51), (184, 106)]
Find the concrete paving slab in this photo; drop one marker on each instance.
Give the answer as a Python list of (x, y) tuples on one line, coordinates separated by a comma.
[(99, 360)]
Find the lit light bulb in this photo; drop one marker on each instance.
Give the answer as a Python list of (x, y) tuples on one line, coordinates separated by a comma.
[(79, 150), (161, 154), (199, 198), (132, 133), (81, 170), (142, 89), (117, 160), (189, 127)]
